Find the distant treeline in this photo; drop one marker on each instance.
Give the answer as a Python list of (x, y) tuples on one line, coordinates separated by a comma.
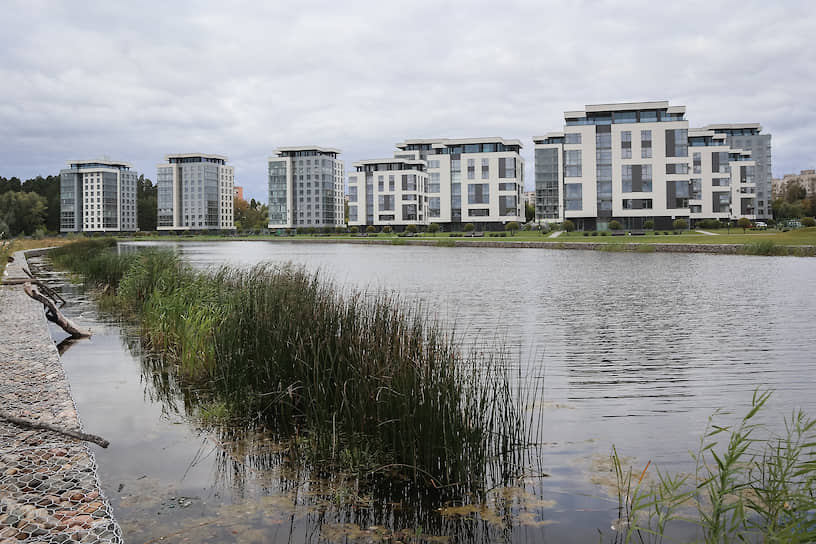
[(32, 206)]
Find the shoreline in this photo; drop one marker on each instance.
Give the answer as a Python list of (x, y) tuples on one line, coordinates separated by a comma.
[(779, 250), (50, 488)]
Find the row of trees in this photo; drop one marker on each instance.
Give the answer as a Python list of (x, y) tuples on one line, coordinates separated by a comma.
[(795, 203)]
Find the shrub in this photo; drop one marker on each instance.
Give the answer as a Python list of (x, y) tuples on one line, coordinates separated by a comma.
[(676, 232), (657, 233), (340, 230), (586, 233), (665, 233), (709, 224), (808, 222), (614, 225), (371, 229), (411, 228), (433, 228), (648, 224), (744, 223), (680, 224), (311, 230), (568, 225), (354, 230), (512, 227), (469, 227), (387, 229), (604, 233), (594, 233), (327, 229)]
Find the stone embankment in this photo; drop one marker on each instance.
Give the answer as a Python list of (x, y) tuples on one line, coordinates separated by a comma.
[(49, 489)]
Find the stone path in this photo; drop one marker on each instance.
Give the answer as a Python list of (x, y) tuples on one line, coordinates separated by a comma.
[(555, 234), (706, 232), (49, 490)]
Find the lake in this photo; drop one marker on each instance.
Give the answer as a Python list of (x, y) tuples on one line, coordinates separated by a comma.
[(631, 350)]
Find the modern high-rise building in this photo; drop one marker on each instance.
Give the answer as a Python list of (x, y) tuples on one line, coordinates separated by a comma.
[(388, 192), (632, 163), (98, 196), (195, 192), (305, 187), (747, 137)]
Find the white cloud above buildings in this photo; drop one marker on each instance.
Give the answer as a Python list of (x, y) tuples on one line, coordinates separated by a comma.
[(138, 81)]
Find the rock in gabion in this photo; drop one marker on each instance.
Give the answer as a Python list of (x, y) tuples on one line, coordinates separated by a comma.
[(49, 489)]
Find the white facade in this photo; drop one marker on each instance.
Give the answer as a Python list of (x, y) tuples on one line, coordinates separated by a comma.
[(723, 184), (388, 192), (196, 191), (98, 196), (471, 180), (305, 187)]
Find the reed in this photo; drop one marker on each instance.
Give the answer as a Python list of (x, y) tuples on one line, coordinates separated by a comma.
[(749, 485), (363, 381)]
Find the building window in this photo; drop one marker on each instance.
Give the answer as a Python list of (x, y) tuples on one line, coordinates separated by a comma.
[(471, 169), (572, 163), (572, 138), (507, 167), (677, 142), (485, 168), (478, 193), (698, 162), (637, 203), (574, 196), (626, 144), (645, 144), (478, 213)]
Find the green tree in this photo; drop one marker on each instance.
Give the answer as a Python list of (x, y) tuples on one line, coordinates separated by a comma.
[(529, 212), (48, 188), (743, 222), (679, 224), (23, 212), (614, 225), (433, 228), (10, 184), (512, 227), (808, 222), (469, 227), (568, 225), (248, 217), (147, 203)]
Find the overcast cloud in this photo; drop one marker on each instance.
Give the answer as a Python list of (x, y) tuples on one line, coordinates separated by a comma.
[(135, 81)]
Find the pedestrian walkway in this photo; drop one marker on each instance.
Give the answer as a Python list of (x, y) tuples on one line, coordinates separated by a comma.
[(707, 233), (555, 234), (49, 489)]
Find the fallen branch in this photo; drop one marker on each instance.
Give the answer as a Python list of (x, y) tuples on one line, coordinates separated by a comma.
[(79, 435), (45, 288), (54, 315)]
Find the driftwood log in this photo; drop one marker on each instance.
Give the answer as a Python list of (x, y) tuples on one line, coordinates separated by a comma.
[(43, 287), (79, 435), (54, 315)]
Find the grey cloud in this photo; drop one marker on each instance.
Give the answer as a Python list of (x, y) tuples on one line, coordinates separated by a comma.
[(243, 78)]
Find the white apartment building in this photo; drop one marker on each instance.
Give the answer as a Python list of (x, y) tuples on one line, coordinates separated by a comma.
[(627, 162), (470, 180), (639, 161), (722, 183), (195, 192), (748, 137), (388, 192), (98, 196), (305, 187)]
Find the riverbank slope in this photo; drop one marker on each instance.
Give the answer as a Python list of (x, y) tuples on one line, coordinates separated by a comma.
[(49, 490)]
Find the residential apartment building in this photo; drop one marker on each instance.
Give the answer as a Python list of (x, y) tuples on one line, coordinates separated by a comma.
[(748, 137), (806, 180), (389, 192), (632, 163), (98, 196), (195, 192), (305, 187), (471, 180), (723, 182)]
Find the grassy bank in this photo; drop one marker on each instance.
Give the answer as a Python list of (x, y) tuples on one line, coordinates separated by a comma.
[(359, 380), (9, 247)]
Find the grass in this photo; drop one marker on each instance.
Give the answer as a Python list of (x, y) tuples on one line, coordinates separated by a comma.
[(9, 247), (749, 485), (362, 381)]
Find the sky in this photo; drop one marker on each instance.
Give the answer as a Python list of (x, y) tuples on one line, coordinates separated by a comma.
[(136, 81)]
